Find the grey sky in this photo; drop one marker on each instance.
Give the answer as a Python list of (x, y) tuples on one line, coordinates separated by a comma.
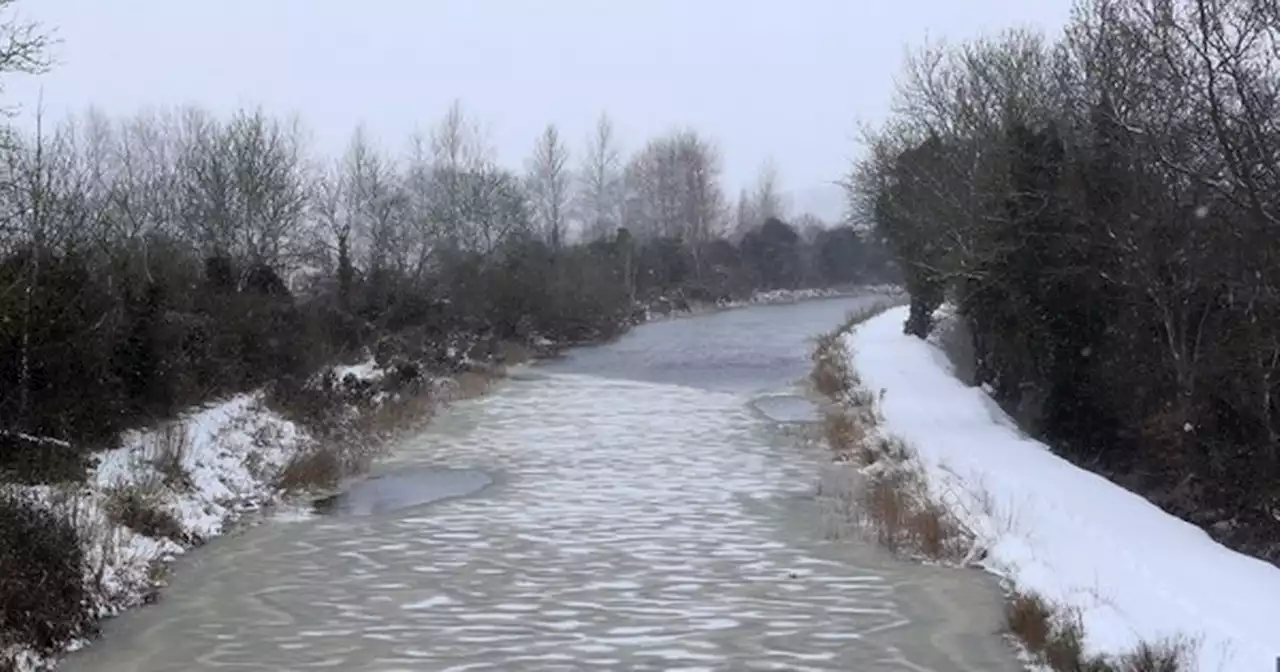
[(787, 78)]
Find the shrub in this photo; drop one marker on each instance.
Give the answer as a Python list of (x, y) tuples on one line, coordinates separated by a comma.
[(829, 374), (44, 603), (32, 461), (168, 452), (140, 511), (318, 468), (1168, 655), (317, 405)]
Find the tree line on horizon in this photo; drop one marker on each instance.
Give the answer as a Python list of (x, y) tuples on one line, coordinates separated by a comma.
[(1102, 209), (157, 261)]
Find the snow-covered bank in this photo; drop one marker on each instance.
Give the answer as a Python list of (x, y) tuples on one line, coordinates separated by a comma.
[(1133, 572), (187, 481)]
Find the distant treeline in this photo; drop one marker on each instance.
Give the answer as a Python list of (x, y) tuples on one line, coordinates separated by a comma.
[(152, 263)]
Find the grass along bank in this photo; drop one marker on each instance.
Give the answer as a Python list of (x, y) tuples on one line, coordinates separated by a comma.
[(911, 506)]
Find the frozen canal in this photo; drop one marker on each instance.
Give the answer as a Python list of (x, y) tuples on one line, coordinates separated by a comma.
[(628, 508)]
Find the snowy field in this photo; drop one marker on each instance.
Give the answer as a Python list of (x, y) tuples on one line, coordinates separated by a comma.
[(1134, 572)]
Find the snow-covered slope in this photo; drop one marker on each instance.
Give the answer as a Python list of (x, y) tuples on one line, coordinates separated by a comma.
[(225, 456), (1134, 572)]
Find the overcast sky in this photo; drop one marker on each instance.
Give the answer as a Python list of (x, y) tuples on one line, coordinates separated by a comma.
[(789, 79)]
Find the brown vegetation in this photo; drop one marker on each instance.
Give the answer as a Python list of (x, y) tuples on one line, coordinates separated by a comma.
[(139, 509), (1054, 637), (892, 499), (351, 437), (168, 451), (319, 467)]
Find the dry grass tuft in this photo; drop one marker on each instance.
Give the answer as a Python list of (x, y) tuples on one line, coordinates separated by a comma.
[(892, 502), (512, 353), (1031, 619), (140, 510), (472, 384), (830, 370), (846, 436), (1054, 637), (393, 417), (318, 468), (895, 505), (167, 452), (1174, 654), (351, 446)]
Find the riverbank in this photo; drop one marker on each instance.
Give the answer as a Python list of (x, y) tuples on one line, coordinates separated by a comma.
[(1098, 577), (669, 308), (175, 486)]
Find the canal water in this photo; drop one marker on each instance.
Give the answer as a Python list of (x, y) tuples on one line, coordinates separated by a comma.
[(643, 505)]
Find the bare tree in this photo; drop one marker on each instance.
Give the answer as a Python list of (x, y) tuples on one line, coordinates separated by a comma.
[(244, 186), (143, 197), (674, 190), (767, 197), (45, 212), (704, 207), (642, 197), (744, 214), (25, 46), (809, 226), (549, 183), (460, 157), (425, 231), (331, 233), (600, 179), (373, 205)]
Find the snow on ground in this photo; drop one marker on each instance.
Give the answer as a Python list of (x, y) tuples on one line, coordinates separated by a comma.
[(1134, 572), (229, 452), (367, 370)]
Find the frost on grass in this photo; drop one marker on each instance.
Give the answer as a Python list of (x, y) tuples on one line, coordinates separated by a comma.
[(1101, 579)]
